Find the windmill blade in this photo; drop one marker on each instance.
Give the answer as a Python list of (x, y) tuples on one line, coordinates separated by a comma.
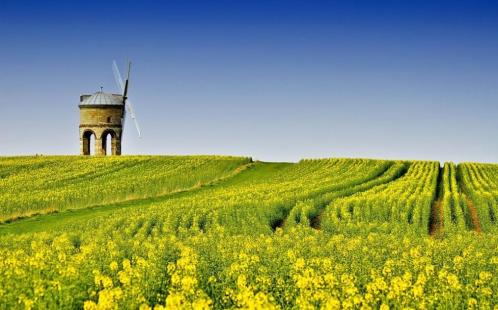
[(125, 93), (117, 76), (129, 107), (123, 87), (120, 84)]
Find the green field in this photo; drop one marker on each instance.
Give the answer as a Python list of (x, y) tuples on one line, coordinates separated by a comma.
[(147, 232)]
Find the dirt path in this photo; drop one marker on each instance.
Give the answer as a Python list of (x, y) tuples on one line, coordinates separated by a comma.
[(474, 218), (315, 221), (436, 220)]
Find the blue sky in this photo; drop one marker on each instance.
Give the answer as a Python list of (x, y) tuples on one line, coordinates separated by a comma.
[(276, 80)]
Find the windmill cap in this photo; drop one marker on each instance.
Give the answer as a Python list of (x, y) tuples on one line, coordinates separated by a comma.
[(101, 98)]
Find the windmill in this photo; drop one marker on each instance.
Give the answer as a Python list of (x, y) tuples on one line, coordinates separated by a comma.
[(102, 117), (123, 86)]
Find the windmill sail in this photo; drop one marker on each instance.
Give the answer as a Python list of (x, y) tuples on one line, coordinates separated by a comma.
[(129, 107), (120, 84), (117, 76), (123, 86)]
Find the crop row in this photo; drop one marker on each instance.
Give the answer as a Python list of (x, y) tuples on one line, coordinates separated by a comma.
[(405, 201), (456, 216)]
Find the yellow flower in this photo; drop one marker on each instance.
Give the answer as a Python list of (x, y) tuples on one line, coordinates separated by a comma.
[(485, 276), (418, 291), (188, 283), (114, 266), (332, 303), (126, 264), (124, 277), (175, 301), (384, 307), (89, 305), (144, 307), (299, 264), (472, 302), (453, 281), (201, 304), (458, 261), (486, 291), (108, 298)]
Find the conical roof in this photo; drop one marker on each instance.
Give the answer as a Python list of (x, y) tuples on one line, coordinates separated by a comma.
[(101, 98)]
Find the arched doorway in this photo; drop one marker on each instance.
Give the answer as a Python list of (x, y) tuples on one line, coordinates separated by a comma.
[(109, 142), (88, 143)]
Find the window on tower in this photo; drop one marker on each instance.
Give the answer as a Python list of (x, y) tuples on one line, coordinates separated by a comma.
[(109, 119)]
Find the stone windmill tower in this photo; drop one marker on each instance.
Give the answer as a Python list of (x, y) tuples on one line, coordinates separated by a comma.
[(102, 116)]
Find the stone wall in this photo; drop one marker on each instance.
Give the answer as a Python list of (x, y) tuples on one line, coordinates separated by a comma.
[(101, 120)]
